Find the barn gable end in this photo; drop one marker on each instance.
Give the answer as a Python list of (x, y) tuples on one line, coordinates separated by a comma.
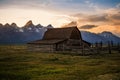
[(75, 34)]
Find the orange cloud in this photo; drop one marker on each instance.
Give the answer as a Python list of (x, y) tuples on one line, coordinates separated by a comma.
[(107, 21), (71, 24), (88, 26)]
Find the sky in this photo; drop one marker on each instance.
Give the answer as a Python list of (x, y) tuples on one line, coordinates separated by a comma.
[(90, 15)]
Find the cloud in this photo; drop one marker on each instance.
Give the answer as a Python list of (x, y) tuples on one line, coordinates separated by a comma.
[(118, 5), (88, 26), (109, 17), (80, 12), (71, 24), (108, 20), (24, 4), (97, 18), (65, 6), (115, 16)]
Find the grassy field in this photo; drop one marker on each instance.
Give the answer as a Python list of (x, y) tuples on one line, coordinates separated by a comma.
[(17, 63)]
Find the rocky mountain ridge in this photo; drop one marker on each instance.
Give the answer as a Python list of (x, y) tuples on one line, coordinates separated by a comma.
[(12, 34)]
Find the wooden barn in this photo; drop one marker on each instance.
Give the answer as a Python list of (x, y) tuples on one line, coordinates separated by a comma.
[(60, 39)]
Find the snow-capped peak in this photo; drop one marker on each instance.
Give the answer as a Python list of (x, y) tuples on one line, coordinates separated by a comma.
[(7, 25), (29, 24), (49, 26), (14, 25), (39, 26)]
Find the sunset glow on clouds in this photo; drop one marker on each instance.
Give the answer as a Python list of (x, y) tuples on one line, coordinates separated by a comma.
[(98, 15)]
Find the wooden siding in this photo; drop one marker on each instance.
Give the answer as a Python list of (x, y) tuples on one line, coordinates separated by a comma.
[(60, 39)]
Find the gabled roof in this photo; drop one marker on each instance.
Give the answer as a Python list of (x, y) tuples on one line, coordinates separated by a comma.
[(59, 33)]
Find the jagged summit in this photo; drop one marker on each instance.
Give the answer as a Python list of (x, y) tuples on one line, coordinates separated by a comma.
[(49, 26), (29, 24), (7, 25), (39, 26), (1, 25), (106, 32), (14, 25)]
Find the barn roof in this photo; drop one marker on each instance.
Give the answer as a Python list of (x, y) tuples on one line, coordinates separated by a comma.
[(59, 33)]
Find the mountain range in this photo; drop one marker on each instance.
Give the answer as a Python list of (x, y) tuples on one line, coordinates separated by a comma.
[(104, 37), (12, 34)]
